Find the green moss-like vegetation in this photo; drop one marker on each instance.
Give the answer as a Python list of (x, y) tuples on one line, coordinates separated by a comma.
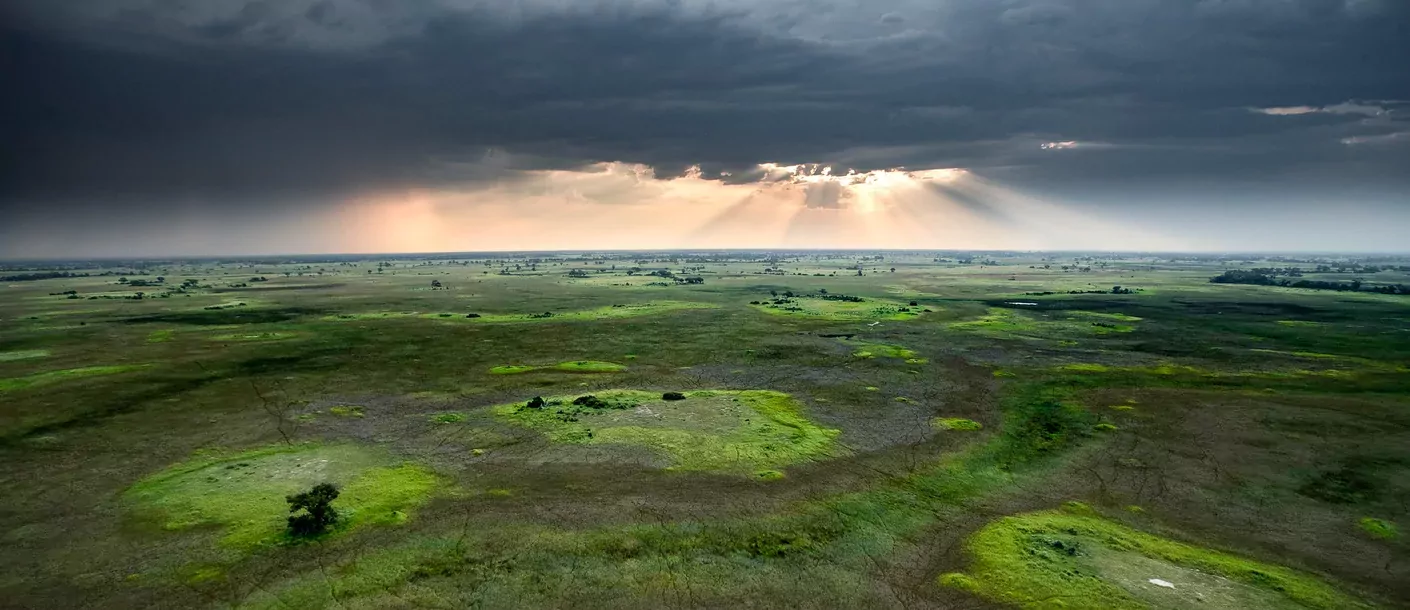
[(599, 313), (49, 377), (161, 336), (722, 430), (1075, 559), (955, 423), (739, 558), (244, 493), (999, 322), (1379, 529), (816, 307), (448, 418), (1105, 427), (261, 336), (867, 350), (1085, 368), (347, 411), (24, 354), (576, 366)]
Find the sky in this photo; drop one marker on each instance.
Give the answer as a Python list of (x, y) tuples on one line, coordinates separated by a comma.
[(151, 128)]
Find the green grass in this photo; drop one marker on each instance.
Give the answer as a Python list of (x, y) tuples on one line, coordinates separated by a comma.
[(869, 309), (354, 411), (1062, 325), (24, 354), (1379, 529), (255, 336), (998, 321), (448, 418), (161, 336), (866, 350), (1075, 559), (827, 543), (584, 522), (576, 366), (52, 377), (243, 493), (589, 366), (738, 431), (955, 423), (600, 313)]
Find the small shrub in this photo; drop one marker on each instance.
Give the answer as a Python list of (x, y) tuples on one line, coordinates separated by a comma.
[(318, 513), (590, 401), (673, 396), (472, 315), (536, 402)]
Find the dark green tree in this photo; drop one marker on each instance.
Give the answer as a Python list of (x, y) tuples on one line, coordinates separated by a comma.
[(318, 514)]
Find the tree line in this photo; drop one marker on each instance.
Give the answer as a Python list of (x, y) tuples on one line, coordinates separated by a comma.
[(1269, 277)]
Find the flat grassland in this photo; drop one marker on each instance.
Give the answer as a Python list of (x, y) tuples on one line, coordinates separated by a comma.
[(708, 429)]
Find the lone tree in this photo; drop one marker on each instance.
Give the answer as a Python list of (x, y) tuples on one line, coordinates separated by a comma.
[(318, 515)]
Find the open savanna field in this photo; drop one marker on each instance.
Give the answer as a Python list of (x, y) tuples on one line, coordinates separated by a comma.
[(706, 430)]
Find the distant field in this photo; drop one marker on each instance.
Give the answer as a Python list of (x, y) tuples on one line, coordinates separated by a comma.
[(708, 430)]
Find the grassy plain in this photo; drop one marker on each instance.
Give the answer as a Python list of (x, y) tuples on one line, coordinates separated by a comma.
[(966, 431)]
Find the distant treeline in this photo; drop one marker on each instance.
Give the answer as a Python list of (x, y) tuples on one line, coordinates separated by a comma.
[(1268, 277), (47, 275)]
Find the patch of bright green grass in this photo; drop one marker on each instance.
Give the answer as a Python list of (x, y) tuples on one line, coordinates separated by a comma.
[(955, 423), (881, 350), (998, 320), (161, 336), (1001, 322), (24, 354), (347, 411), (1075, 559), (448, 418), (244, 493), (1096, 315), (263, 336), (1379, 529), (577, 366), (868, 309), (49, 377), (740, 431)]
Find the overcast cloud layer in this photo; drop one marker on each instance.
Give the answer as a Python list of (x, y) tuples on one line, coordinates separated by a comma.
[(164, 104)]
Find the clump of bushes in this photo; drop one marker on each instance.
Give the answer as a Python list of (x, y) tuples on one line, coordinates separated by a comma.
[(318, 514), (673, 396)]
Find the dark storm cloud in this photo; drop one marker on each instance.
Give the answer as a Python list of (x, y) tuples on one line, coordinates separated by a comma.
[(250, 101)]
